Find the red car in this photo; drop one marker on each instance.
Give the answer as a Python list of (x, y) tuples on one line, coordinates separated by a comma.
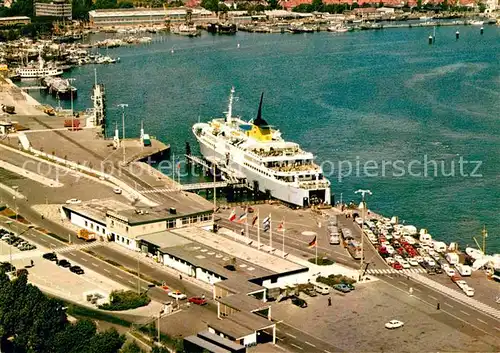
[(197, 300), (397, 266)]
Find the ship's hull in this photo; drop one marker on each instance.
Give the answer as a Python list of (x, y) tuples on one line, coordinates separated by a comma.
[(285, 192)]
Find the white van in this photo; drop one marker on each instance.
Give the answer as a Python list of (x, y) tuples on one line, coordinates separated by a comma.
[(452, 258), (334, 239), (463, 270), (321, 288), (439, 246)]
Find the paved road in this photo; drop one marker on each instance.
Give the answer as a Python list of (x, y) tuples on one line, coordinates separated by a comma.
[(296, 340)]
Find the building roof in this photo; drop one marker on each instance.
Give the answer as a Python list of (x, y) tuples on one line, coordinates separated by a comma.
[(230, 328), (145, 12), (250, 320), (164, 239), (221, 341), (243, 302), (254, 258), (97, 209), (215, 261), (210, 347), (185, 204), (239, 285)]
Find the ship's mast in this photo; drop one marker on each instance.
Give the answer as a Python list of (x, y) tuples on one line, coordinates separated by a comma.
[(229, 112)]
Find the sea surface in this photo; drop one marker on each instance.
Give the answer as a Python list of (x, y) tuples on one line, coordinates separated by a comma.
[(425, 118)]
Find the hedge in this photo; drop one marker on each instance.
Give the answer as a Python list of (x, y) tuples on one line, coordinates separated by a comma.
[(124, 300)]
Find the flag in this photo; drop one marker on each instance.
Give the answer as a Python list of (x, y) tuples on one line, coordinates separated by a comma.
[(313, 243), (178, 164), (232, 216), (319, 224), (266, 220), (242, 218), (266, 227), (255, 219), (280, 226)]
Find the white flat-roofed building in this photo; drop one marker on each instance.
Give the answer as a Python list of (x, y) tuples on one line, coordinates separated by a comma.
[(145, 17), (14, 20), (54, 9)]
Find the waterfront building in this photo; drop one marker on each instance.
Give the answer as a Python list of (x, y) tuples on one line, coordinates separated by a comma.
[(147, 17), (15, 20), (57, 8)]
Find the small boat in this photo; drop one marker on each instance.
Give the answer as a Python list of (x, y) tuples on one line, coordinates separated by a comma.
[(338, 28), (187, 30), (474, 253), (476, 23)]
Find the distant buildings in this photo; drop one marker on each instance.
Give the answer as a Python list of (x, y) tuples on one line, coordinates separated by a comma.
[(56, 8), (146, 17), (15, 20)]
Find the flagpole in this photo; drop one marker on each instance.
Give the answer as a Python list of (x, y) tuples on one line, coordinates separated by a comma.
[(270, 232), (258, 230), (246, 222), (173, 167), (283, 231), (317, 250)]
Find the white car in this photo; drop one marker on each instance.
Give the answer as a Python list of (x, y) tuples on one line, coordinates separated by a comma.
[(445, 267), (461, 284), (390, 249), (405, 264), (450, 272), (419, 259), (469, 291), (430, 261), (394, 324), (6, 237), (398, 257), (389, 260), (413, 261), (177, 295), (73, 202), (117, 191)]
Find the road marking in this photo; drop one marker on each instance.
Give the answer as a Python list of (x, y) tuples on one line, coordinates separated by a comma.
[(72, 254), (464, 312), (430, 296), (484, 322), (289, 334), (390, 277), (451, 306), (418, 290), (326, 351), (95, 265), (45, 241), (497, 328), (129, 281), (84, 260), (108, 271), (406, 284), (118, 276), (299, 347), (280, 347), (278, 330), (309, 343)]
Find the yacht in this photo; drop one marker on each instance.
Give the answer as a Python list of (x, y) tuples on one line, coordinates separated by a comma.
[(187, 30), (255, 153), (40, 71), (476, 23), (337, 28)]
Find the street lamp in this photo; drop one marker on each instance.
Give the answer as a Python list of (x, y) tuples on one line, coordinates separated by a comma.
[(123, 106), (10, 247), (362, 207)]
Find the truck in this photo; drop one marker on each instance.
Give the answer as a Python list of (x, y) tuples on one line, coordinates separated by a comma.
[(464, 270), (452, 258), (72, 123), (10, 109), (84, 234)]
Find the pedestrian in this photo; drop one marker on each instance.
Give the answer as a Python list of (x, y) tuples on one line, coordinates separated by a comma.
[(411, 290), (180, 277), (43, 217), (203, 296), (32, 263), (329, 301), (438, 306), (242, 232)]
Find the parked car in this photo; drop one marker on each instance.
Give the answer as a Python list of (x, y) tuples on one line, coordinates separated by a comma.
[(301, 303), (197, 300), (76, 269), (51, 256), (413, 262), (450, 272), (73, 202), (342, 287), (310, 292), (64, 263), (393, 324), (397, 266), (117, 191), (350, 286), (469, 291), (177, 295)]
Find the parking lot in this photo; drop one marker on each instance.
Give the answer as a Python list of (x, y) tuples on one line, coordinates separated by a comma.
[(355, 322)]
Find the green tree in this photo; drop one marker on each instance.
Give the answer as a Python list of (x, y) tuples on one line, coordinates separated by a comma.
[(131, 347), (129, 5), (211, 5), (419, 4), (106, 342), (74, 338), (317, 5), (157, 349), (274, 4), (481, 6)]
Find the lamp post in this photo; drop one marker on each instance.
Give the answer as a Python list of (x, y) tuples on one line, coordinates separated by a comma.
[(362, 207), (123, 106), (10, 247)]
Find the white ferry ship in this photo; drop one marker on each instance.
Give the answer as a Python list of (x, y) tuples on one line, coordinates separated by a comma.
[(39, 71), (255, 151)]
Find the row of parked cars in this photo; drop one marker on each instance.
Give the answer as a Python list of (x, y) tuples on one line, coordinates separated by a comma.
[(12, 239), (63, 263)]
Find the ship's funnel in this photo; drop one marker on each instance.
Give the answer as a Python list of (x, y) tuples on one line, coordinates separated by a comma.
[(259, 121)]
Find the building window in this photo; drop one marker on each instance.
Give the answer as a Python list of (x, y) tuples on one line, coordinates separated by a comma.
[(91, 225), (86, 224), (97, 228), (126, 228), (128, 242)]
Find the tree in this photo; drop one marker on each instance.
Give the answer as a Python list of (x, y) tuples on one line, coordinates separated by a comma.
[(157, 349), (75, 337), (273, 4), (106, 342), (131, 347), (419, 4), (211, 5), (129, 5)]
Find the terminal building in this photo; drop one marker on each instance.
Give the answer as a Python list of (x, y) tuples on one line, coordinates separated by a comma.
[(56, 8), (147, 17)]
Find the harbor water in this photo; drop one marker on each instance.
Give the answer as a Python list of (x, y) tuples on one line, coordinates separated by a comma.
[(429, 113)]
